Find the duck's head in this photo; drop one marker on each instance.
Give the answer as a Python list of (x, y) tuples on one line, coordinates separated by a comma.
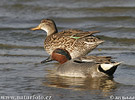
[(47, 25), (60, 55)]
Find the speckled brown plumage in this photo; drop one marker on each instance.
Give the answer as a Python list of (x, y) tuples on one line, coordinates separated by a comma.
[(77, 42), (76, 47)]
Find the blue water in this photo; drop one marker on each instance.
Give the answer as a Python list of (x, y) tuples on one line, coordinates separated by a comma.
[(21, 49)]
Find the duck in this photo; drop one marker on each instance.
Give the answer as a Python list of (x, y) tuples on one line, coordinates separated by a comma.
[(76, 42), (85, 66)]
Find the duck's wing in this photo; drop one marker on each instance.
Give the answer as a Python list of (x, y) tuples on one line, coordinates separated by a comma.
[(72, 30), (84, 34), (80, 60), (95, 59), (77, 33)]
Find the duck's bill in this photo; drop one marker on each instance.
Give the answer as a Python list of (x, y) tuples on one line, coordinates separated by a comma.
[(36, 28), (47, 60)]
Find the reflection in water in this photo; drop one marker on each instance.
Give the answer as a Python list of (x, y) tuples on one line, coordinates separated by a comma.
[(102, 85)]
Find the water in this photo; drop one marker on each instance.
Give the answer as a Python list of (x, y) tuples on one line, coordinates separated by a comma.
[(21, 49)]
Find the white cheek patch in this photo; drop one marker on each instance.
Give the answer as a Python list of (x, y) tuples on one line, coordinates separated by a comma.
[(106, 67)]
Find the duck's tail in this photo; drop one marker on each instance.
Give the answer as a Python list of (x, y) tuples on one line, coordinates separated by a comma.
[(109, 68)]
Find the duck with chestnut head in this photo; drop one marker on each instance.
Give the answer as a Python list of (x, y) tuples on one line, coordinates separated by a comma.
[(87, 66)]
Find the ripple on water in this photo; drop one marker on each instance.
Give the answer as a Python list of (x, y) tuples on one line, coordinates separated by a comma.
[(21, 49)]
